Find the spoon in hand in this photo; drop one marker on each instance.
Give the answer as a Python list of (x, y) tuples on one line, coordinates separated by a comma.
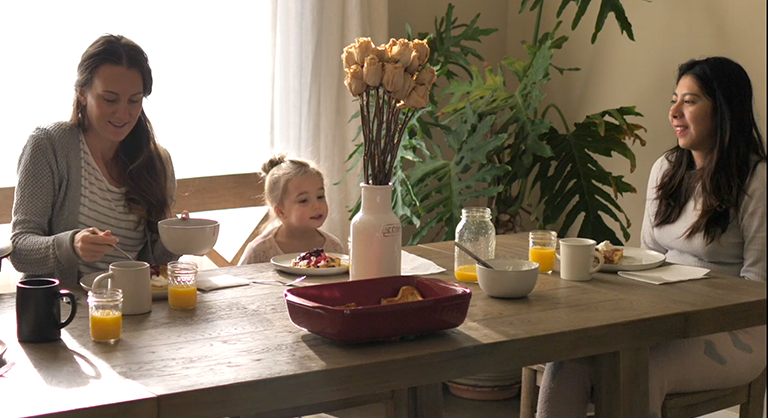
[(93, 231), (473, 255)]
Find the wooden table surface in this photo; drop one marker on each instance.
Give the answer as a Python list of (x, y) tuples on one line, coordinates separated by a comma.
[(237, 352)]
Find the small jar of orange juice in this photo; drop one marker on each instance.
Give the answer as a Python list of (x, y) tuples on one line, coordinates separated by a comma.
[(476, 232), (105, 314), (182, 284), (541, 249)]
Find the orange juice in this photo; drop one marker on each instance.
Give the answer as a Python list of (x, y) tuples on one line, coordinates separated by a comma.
[(467, 273), (545, 256), (182, 297), (106, 325)]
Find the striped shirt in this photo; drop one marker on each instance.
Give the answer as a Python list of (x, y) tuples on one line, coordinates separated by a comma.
[(103, 206)]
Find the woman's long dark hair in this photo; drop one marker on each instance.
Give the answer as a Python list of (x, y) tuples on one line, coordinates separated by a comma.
[(737, 151), (140, 163)]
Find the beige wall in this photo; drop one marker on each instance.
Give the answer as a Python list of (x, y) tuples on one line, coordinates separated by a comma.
[(615, 71)]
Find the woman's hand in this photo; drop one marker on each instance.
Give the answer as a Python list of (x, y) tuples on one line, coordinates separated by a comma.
[(184, 214), (91, 244)]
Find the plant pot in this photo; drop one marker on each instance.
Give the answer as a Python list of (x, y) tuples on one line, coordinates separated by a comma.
[(375, 236)]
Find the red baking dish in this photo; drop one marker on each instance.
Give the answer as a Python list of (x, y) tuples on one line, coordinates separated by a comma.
[(319, 309)]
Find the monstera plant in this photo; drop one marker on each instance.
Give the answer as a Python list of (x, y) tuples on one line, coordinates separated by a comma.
[(502, 148)]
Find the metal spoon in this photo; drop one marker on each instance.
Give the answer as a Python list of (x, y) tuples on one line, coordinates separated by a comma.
[(124, 253), (292, 283), (473, 255), (92, 231)]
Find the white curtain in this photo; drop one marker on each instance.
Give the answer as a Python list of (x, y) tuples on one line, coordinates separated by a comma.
[(311, 106)]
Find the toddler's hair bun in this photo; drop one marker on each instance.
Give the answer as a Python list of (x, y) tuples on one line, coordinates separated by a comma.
[(273, 162)]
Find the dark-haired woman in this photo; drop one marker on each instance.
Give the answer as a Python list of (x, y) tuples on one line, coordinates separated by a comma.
[(98, 180), (706, 207)]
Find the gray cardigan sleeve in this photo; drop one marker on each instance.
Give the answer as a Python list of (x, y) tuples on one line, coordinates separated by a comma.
[(40, 203)]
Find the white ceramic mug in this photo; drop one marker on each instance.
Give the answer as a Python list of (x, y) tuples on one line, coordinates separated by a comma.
[(577, 259), (132, 277)]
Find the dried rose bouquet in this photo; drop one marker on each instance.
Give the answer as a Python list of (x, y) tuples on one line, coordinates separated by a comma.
[(390, 82)]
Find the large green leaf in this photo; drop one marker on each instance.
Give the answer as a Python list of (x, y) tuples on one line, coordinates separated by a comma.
[(606, 7), (574, 183), (444, 185)]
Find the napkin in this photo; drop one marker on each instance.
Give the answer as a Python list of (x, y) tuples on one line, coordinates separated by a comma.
[(413, 265), (667, 274), (211, 280)]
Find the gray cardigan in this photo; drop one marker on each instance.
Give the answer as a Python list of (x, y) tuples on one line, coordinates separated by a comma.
[(47, 205)]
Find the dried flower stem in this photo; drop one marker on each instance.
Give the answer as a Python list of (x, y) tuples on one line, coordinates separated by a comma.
[(382, 134)]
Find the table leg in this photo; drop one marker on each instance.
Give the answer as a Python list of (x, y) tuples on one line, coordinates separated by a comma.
[(417, 402), (621, 387)]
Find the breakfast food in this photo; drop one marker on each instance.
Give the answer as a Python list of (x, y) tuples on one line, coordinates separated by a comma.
[(316, 259), (406, 294), (611, 254), (158, 276)]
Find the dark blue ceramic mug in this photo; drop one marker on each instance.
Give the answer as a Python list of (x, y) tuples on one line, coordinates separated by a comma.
[(38, 310)]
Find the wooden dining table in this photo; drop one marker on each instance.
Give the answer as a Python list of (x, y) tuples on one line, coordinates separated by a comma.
[(238, 353)]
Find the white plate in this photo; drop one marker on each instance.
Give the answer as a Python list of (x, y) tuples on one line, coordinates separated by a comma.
[(636, 259), (283, 263), (87, 281)]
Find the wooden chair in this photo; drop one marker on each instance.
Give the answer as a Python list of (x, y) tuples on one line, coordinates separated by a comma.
[(196, 194), (5, 251), (230, 191), (679, 405)]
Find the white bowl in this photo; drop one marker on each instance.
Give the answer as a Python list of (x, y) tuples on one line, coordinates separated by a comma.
[(509, 278), (188, 236)]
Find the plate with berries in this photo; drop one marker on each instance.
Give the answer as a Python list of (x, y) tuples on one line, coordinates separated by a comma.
[(312, 263)]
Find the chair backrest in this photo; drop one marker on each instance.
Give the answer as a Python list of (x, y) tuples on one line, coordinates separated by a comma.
[(195, 194), (6, 204), (221, 192)]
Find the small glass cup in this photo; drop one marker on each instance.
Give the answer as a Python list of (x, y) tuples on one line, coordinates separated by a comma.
[(541, 249), (182, 284), (105, 314)]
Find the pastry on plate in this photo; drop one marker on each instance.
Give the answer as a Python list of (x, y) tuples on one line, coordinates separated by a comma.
[(611, 254), (158, 276)]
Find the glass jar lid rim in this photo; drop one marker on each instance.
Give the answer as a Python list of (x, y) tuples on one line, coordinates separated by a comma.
[(105, 294), (476, 212)]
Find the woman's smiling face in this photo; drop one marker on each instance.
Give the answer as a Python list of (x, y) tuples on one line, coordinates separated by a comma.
[(113, 102), (692, 116)]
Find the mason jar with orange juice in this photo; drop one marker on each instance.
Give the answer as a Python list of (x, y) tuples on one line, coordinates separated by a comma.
[(105, 314), (476, 232), (541, 249), (182, 285)]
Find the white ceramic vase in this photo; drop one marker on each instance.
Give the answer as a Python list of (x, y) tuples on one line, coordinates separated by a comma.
[(375, 236)]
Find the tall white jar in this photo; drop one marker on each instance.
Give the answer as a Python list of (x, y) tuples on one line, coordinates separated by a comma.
[(375, 236)]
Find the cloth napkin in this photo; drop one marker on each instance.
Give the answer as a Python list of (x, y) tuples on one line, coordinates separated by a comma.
[(211, 280), (413, 265), (667, 274)]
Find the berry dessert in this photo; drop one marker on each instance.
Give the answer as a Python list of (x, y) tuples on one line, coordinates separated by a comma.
[(611, 254), (158, 276), (316, 259)]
